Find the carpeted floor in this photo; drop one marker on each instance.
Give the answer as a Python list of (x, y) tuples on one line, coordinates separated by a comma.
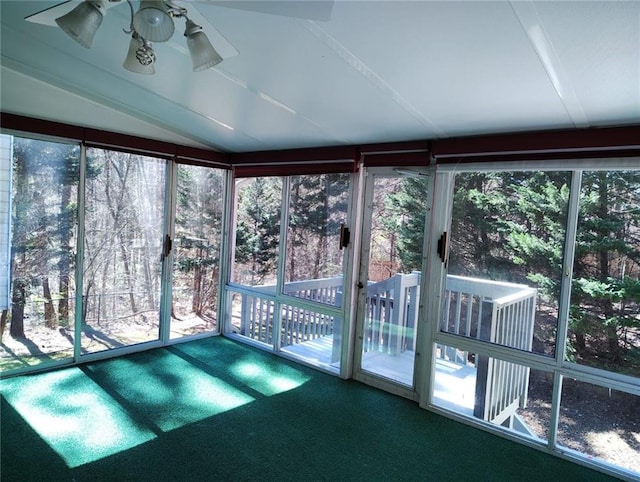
[(217, 410)]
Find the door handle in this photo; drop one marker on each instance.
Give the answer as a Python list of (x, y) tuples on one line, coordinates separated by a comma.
[(167, 245), (345, 236), (442, 247)]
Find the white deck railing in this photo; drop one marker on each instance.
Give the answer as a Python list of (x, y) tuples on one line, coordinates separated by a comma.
[(492, 311), (392, 314), (298, 324), (496, 312)]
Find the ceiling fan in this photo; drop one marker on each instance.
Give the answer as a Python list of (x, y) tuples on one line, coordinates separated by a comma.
[(154, 22)]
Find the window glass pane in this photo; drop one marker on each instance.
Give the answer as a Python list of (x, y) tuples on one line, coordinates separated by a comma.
[(506, 252), (604, 324), (40, 182), (600, 423), (124, 213), (317, 208), (494, 390), (398, 213), (258, 207), (198, 233)]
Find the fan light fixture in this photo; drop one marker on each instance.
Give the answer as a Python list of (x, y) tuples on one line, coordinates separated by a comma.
[(153, 22), (82, 23), (203, 55)]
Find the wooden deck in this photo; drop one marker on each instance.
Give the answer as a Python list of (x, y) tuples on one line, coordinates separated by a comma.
[(454, 384)]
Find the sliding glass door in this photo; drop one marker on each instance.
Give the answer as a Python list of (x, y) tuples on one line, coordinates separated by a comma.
[(197, 239), (102, 251), (123, 248)]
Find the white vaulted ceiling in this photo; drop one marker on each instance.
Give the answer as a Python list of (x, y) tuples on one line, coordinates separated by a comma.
[(374, 72)]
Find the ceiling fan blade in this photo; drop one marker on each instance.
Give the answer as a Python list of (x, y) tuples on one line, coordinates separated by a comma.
[(48, 15), (307, 9)]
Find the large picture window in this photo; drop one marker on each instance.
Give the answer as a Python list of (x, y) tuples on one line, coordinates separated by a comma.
[(541, 303), (604, 321), (40, 182), (287, 278)]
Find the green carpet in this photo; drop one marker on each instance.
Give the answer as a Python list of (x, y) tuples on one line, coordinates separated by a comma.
[(217, 410)]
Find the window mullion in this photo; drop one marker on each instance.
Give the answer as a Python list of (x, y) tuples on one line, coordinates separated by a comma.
[(567, 266), (564, 302), (282, 260), (79, 301), (171, 187)]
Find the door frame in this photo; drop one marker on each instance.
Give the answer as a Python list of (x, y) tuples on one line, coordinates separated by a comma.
[(362, 261)]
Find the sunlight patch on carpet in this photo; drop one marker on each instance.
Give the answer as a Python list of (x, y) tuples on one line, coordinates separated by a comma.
[(73, 415), (256, 370), (264, 380), (170, 391)]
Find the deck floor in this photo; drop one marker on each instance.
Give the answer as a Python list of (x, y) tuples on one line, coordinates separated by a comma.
[(454, 383)]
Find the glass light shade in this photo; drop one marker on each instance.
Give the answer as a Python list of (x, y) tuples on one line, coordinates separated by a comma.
[(203, 55), (82, 23), (132, 64), (153, 22)]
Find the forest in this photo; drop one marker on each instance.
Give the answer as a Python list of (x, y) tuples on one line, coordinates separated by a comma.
[(123, 253), (508, 226), (512, 227)]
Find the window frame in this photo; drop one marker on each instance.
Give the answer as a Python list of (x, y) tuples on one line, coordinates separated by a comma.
[(557, 365)]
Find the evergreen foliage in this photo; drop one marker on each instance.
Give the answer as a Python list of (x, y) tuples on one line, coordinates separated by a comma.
[(258, 229)]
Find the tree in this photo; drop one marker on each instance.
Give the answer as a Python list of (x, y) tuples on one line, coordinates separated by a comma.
[(606, 291), (512, 227), (258, 230), (44, 175), (407, 209), (318, 205), (198, 235)]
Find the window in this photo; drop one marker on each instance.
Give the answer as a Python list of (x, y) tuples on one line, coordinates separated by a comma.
[(604, 321), (123, 245), (505, 260), (317, 210), (287, 280), (40, 183), (541, 302), (258, 202), (196, 250)]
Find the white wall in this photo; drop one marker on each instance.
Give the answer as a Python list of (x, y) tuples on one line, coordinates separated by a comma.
[(6, 154)]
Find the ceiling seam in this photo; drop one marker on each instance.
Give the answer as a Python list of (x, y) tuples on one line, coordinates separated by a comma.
[(527, 15), (359, 66)]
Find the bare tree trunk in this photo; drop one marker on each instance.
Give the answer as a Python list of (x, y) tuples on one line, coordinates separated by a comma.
[(611, 330), (196, 301), (115, 212), (3, 322), (49, 310), (127, 275), (17, 309), (65, 256)]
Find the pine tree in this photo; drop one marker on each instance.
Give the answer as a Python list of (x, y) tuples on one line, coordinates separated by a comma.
[(258, 230), (407, 209), (606, 289)]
